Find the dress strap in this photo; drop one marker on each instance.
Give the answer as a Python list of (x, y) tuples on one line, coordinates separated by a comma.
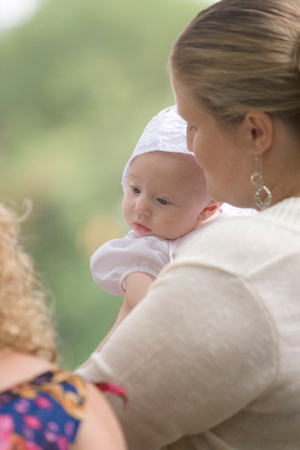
[(113, 389)]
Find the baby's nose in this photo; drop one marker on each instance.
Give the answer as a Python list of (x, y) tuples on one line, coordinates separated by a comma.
[(142, 206)]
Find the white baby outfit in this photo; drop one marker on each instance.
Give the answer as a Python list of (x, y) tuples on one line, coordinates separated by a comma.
[(116, 259)]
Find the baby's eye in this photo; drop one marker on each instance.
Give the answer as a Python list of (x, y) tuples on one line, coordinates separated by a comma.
[(135, 190), (162, 201)]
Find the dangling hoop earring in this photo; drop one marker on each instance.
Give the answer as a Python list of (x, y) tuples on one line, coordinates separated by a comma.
[(258, 180)]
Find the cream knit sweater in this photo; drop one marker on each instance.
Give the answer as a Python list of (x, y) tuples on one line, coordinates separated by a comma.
[(210, 358)]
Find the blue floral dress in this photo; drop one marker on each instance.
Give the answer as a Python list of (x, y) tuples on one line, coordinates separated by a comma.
[(43, 413)]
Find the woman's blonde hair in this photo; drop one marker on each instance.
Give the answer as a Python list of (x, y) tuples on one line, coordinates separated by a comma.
[(239, 55), (25, 320)]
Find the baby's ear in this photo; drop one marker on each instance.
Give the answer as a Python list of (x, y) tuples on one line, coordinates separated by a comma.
[(210, 210)]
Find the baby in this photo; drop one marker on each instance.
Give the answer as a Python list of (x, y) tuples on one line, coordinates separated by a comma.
[(165, 203)]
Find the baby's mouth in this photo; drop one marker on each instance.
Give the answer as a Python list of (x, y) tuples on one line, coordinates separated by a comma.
[(141, 228)]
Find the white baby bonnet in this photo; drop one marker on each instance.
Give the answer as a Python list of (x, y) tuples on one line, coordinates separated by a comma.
[(165, 132)]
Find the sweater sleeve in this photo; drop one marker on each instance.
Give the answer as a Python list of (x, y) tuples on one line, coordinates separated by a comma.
[(116, 259), (190, 356)]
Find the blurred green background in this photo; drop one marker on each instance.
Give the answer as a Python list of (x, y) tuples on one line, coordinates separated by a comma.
[(78, 84)]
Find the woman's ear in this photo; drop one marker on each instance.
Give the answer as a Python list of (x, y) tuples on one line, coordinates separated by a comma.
[(209, 210), (259, 128)]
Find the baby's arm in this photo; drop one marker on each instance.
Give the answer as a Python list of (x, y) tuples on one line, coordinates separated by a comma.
[(137, 284), (124, 311), (134, 257), (116, 260)]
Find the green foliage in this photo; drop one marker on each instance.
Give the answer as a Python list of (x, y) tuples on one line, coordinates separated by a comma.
[(78, 84)]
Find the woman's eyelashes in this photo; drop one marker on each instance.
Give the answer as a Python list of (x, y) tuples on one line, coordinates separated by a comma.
[(190, 127)]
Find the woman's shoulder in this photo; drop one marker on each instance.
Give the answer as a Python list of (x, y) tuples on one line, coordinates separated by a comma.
[(235, 242), (228, 210)]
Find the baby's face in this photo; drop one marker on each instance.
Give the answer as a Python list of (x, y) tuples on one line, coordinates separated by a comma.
[(165, 195)]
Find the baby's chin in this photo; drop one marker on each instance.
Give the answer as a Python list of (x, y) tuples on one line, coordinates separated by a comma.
[(143, 232), (141, 235)]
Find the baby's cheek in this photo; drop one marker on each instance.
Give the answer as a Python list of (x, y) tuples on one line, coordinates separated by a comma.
[(173, 225), (169, 220)]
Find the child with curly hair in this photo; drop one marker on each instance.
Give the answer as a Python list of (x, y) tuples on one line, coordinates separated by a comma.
[(41, 405)]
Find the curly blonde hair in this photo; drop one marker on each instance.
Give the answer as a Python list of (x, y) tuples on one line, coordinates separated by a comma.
[(25, 320)]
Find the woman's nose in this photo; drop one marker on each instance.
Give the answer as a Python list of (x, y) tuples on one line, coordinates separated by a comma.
[(142, 206)]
